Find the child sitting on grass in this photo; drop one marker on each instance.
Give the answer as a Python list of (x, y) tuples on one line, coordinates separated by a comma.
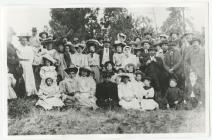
[(49, 95), (173, 95), (193, 96), (147, 101)]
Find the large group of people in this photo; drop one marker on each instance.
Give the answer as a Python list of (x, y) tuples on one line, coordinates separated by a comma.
[(147, 73)]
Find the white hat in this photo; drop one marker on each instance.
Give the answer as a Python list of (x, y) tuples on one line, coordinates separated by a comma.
[(49, 57)]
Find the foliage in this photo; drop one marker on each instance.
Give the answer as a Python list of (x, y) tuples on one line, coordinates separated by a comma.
[(176, 21)]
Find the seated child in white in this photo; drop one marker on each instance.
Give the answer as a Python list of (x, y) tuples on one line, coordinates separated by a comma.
[(49, 95)]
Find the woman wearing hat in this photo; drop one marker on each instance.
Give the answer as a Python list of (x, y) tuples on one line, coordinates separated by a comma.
[(118, 56), (78, 58), (127, 94), (129, 57), (87, 88), (60, 60), (69, 86), (26, 55), (94, 60), (48, 69)]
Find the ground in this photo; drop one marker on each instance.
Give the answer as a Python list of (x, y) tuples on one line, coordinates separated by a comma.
[(26, 119)]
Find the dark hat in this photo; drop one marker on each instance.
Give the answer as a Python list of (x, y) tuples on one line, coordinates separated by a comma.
[(34, 29), (147, 78), (71, 69), (124, 76), (195, 39), (86, 69), (40, 34), (139, 72), (145, 41), (174, 78), (80, 45), (121, 70), (117, 43)]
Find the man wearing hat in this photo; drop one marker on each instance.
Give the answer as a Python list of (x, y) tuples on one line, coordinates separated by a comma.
[(154, 69), (78, 58), (94, 59), (163, 37), (195, 59), (106, 54), (145, 53), (118, 56), (173, 63), (107, 92), (174, 38), (69, 86)]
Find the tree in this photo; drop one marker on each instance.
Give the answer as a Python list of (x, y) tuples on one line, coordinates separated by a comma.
[(176, 21), (70, 22), (116, 20)]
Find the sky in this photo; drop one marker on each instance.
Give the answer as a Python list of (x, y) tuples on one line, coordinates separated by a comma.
[(23, 19)]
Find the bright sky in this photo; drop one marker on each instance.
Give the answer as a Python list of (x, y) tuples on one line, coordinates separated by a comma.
[(23, 19)]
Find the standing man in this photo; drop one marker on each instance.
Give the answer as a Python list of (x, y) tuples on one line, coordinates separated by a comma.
[(173, 64), (94, 60), (106, 54)]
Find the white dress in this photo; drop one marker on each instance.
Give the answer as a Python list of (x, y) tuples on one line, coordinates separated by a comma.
[(80, 60), (127, 96), (148, 104), (86, 94), (11, 84), (130, 59), (26, 53), (49, 97)]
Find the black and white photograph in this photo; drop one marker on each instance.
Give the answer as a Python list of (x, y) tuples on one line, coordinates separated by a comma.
[(130, 69)]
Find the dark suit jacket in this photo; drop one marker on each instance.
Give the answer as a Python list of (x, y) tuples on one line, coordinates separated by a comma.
[(106, 90), (101, 55)]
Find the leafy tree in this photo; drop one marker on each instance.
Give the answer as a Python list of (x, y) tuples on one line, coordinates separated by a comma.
[(116, 20), (176, 21), (70, 22)]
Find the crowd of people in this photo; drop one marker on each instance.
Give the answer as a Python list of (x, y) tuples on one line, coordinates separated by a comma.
[(146, 73)]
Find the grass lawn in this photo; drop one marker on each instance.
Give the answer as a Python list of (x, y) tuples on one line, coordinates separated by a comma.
[(26, 119)]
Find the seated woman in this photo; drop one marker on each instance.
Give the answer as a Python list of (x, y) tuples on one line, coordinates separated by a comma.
[(69, 86), (127, 95), (87, 88), (107, 92), (147, 101), (49, 94)]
